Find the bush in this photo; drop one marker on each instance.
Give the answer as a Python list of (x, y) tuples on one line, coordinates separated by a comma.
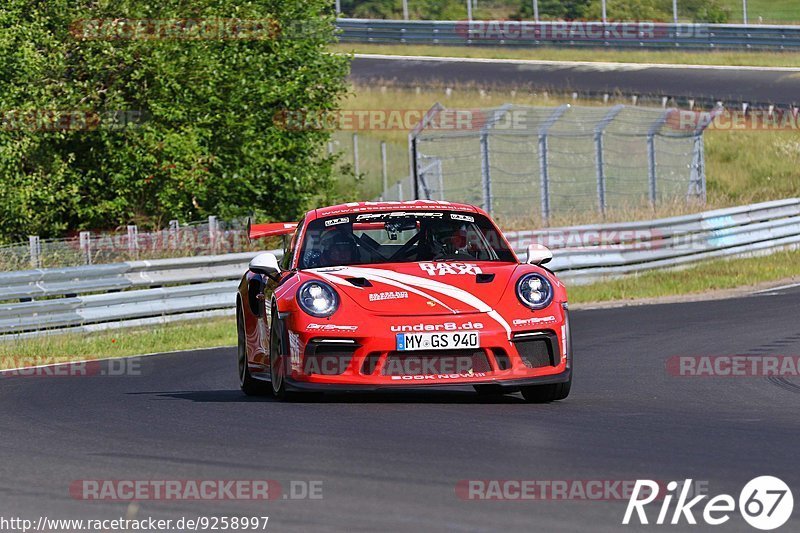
[(203, 139)]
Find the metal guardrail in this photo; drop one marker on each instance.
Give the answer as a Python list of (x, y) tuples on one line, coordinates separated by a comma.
[(142, 293), (134, 293), (583, 254), (571, 34)]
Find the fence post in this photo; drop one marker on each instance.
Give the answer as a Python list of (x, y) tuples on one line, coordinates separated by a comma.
[(413, 149), (400, 191), (133, 240), (384, 168), (86, 246), (544, 167), (652, 173), (174, 229), (356, 169), (212, 232), (35, 251), (697, 174), (486, 177), (486, 173), (598, 139)]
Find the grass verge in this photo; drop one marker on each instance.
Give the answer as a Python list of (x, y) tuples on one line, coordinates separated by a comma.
[(676, 57), (702, 278), (119, 343)]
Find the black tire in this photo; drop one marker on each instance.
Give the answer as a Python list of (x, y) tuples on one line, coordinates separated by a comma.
[(547, 393), (249, 385), (277, 358), (489, 390)]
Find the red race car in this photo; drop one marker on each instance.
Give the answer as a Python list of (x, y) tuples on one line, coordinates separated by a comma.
[(382, 295)]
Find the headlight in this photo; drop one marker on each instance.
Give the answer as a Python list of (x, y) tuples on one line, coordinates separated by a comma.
[(534, 291), (317, 299)]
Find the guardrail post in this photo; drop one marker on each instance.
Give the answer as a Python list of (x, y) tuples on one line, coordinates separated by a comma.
[(86, 246), (599, 130), (35, 251), (133, 240)]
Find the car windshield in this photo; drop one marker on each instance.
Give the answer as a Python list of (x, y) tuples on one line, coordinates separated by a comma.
[(401, 237)]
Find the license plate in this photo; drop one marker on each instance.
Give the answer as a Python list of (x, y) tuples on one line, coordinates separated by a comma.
[(451, 340)]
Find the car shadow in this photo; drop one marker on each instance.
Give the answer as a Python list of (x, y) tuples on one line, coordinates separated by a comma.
[(405, 396)]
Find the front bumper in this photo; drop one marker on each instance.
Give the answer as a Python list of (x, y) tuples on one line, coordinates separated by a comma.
[(504, 385), (330, 356)]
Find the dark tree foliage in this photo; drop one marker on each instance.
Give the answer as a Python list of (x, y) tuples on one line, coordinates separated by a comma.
[(101, 132)]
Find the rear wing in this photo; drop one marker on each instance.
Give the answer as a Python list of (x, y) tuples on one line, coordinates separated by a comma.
[(273, 229)]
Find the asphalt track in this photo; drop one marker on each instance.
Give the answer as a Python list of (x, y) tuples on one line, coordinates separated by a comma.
[(390, 462), (757, 86)]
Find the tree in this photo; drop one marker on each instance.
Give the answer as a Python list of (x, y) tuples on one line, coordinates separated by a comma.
[(99, 132)]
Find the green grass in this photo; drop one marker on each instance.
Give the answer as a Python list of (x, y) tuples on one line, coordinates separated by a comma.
[(756, 59), (770, 11), (119, 343), (702, 278)]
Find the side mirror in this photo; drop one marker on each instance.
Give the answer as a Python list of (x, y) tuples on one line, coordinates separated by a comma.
[(266, 264), (539, 255)]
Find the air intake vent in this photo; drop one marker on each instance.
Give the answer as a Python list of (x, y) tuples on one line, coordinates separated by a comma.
[(359, 282), (327, 359), (538, 351)]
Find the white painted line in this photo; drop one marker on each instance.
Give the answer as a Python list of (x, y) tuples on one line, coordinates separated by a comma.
[(778, 289), (80, 362), (594, 64)]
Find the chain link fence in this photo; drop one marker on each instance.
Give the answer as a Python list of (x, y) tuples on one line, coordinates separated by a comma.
[(521, 162), (209, 237), (376, 162)]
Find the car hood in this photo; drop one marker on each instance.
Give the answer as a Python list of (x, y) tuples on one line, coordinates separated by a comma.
[(413, 289)]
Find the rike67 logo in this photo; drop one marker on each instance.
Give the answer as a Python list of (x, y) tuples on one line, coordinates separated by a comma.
[(765, 503)]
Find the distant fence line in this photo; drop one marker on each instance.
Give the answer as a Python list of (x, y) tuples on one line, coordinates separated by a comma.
[(574, 34), (210, 237), (523, 163)]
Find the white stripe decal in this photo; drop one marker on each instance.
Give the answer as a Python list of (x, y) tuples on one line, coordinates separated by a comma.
[(433, 285), (386, 281)]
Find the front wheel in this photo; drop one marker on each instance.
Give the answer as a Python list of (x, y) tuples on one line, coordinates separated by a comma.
[(277, 358), (547, 393), (249, 385)]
